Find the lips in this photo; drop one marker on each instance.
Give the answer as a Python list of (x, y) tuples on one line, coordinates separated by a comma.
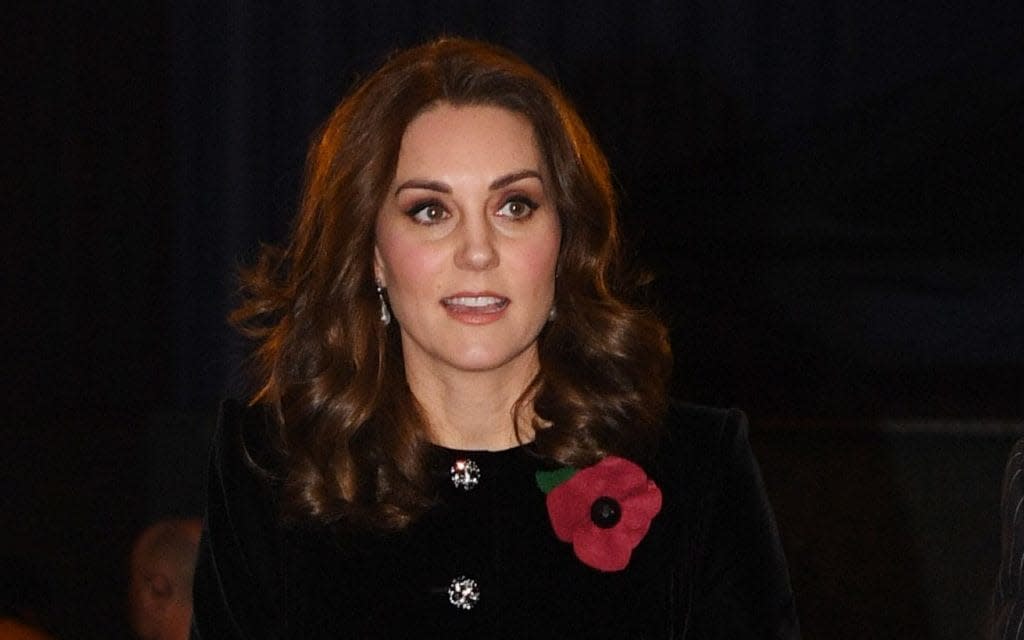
[(477, 303), (484, 303), (475, 307)]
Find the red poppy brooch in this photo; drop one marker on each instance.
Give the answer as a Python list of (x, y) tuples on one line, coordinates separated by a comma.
[(604, 510)]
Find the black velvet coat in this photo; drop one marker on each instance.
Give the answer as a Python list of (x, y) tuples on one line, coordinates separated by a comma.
[(711, 565)]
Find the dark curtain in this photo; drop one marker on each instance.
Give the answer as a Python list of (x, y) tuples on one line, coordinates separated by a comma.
[(829, 195)]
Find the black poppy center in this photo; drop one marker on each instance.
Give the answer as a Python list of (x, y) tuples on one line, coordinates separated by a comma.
[(605, 512)]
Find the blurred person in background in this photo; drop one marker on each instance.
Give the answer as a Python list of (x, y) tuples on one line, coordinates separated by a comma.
[(160, 579), (23, 601)]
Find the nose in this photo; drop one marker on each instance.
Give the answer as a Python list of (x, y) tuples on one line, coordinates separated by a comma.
[(477, 248)]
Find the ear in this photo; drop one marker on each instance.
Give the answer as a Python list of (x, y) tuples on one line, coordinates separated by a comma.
[(378, 268), (160, 586)]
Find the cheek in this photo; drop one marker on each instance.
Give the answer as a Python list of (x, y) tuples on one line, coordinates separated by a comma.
[(407, 266), (540, 261)]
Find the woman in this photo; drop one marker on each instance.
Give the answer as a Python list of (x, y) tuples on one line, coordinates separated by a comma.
[(459, 425)]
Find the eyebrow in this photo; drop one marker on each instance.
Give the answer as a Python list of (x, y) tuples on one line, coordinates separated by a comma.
[(441, 187), (504, 181)]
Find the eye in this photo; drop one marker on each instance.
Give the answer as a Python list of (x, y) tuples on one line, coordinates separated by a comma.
[(427, 212), (517, 207)]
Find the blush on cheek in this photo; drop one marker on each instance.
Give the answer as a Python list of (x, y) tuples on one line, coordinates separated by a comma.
[(408, 264), (541, 260)]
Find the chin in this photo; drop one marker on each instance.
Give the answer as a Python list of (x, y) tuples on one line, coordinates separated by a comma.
[(481, 358), (480, 363)]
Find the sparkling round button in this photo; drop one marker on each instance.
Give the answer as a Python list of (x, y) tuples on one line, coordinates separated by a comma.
[(463, 593), (465, 474)]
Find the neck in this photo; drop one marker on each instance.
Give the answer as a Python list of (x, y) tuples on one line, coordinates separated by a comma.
[(474, 409)]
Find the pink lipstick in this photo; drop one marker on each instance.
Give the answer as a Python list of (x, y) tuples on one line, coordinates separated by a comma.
[(475, 308)]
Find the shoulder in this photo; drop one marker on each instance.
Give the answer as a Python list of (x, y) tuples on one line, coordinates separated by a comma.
[(701, 450), (247, 435), (693, 430), (245, 463), (697, 419), (246, 421)]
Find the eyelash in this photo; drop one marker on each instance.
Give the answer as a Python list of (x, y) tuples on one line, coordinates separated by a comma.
[(418, 210), (521, 200)]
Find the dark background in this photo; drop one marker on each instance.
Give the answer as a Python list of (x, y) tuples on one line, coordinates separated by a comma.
[(830, 197)]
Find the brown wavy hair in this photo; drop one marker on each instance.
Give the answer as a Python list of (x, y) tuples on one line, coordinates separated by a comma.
[(350, 431)]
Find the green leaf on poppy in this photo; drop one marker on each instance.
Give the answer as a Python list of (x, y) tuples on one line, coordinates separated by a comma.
[(548, 480)]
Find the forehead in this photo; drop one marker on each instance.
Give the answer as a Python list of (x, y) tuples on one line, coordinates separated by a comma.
[(468, 139)]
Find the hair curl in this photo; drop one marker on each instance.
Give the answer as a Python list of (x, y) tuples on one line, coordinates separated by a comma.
[(350, 431)]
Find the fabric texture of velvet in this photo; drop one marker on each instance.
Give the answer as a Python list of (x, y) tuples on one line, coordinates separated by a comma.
[(1008, 600), (710, 566)]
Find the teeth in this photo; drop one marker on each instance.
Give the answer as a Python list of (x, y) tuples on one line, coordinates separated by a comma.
[(473, 301)]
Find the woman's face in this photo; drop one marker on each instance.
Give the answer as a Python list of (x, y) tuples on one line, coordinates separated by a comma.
[(467, 241)]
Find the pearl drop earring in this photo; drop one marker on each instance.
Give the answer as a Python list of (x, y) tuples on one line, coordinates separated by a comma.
[(385, 313)]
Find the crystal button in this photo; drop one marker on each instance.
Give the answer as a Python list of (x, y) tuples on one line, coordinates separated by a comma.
[(463, 593), (465, 474)]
